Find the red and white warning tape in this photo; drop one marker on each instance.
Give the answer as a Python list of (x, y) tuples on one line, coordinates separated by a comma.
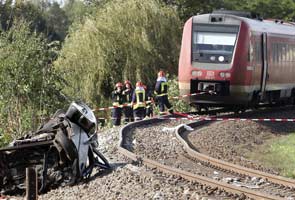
[(223, 119), (129, 104), (232, 119)]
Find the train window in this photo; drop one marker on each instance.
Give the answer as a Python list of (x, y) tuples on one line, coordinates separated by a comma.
[(280, 53), (283, 52), (277, 52), (292, 52), (287, 53), (209, 45), (256, 52), (273, 55), (213, 43), (250, 52)]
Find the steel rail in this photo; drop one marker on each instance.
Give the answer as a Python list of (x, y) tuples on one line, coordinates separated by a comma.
[(178, 172), (229, 166)]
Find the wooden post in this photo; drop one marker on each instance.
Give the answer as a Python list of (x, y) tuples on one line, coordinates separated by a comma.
[(31, 184)]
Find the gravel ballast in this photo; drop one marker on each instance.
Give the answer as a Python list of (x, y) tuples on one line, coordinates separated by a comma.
[(127, 181), (227, 140)]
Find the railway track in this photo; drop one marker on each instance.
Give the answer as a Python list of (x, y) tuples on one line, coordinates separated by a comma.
[(271, 182), (279, 184)]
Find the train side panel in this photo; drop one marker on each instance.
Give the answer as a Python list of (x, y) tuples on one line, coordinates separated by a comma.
[(281, 62), (185, 66), (241, 82)]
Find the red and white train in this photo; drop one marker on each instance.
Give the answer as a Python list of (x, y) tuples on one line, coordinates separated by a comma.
[(231, 59)]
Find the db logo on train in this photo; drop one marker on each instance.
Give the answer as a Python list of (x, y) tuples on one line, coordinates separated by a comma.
[(210, 74)]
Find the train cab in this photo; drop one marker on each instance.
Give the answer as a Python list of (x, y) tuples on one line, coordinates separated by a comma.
[(226, 59)]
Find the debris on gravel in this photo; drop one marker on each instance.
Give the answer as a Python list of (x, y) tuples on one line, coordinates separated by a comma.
[(129, 181)]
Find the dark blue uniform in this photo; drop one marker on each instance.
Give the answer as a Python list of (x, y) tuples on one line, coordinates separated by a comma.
[(161, 91), (117, 98), (149, 104), (128, 111)]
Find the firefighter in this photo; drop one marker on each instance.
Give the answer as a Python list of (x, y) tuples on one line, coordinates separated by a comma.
[(161, 92), (127, 109), (139, 101), (150, 100), (117, 98)]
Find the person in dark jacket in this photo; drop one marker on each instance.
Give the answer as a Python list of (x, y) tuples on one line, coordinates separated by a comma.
[(117, 98), (127, 109), (161, 92), (139, 101), (150, 101)]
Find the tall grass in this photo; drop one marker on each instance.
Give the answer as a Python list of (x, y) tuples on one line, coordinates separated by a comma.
[(278, 153)]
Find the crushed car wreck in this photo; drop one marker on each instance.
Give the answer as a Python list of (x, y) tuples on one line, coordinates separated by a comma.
[(63, 150)]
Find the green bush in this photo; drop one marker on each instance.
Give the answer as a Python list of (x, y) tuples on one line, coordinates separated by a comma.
[(179, 105), (29, 85)]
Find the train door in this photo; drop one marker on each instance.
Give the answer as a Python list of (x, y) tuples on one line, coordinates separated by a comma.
[(264, 72)]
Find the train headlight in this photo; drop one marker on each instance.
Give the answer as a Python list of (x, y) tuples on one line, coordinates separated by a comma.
[(212, 58), (221, 58), (224, 74), (197, 73)]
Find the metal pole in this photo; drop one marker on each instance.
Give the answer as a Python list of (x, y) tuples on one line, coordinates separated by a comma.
[(31, 184)]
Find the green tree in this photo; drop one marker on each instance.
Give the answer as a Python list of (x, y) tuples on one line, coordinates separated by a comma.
[(22, 10), (130, 39), (188, 8), (44, 17), (29, 85), (283, 9), (57, 23), (77, 10)]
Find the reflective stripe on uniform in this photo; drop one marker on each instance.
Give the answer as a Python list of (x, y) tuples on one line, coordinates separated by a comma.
[(163, 84), (140, 103), (160, 95)]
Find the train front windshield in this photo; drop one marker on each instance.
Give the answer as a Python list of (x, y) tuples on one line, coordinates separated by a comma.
[(213, 44)]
